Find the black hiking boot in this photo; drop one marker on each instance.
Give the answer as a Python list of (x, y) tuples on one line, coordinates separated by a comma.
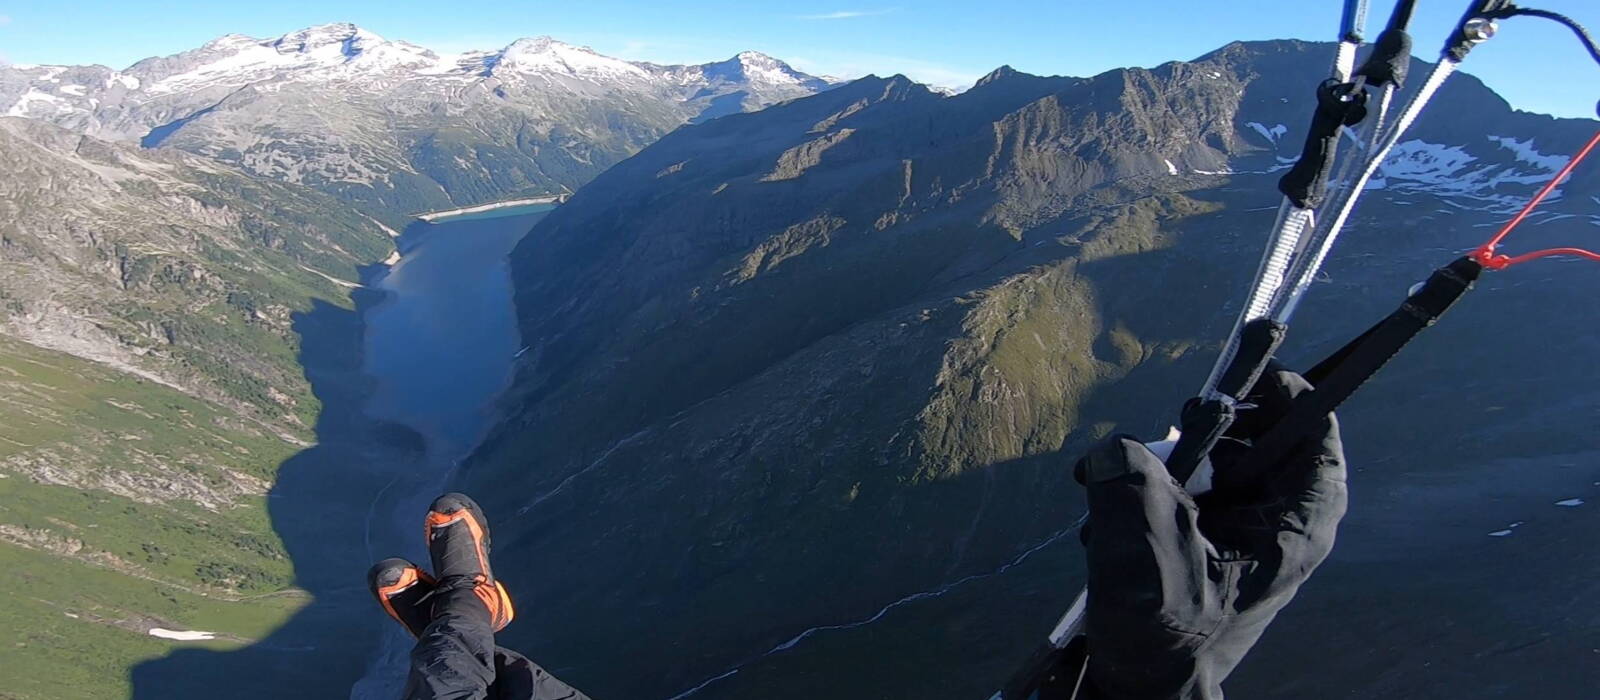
[(458, 543), (402, 589)]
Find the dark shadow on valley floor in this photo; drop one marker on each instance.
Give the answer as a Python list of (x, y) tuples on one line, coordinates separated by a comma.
[(319, 507)]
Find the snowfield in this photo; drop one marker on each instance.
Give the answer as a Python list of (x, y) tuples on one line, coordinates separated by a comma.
[(182, 635)]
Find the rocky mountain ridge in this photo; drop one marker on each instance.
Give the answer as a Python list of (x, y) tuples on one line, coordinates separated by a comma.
[(802, 385), (170, 266)]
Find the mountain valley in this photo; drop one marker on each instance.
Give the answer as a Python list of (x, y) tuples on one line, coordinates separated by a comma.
[(803, 366)]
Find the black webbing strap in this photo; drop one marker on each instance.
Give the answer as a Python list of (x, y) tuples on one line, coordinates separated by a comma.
[(1050, 673), (1337, 377), (1205, 420)]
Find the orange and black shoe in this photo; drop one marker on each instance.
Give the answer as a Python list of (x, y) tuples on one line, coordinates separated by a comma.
[(458, 543), (402, 589)]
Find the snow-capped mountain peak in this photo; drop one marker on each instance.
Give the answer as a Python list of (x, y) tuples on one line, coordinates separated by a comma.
[(546, 55), (349, 38), (235, 60), (228, 42), (757, 68)]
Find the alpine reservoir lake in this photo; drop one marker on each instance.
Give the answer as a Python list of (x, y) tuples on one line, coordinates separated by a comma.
[(442, 342)]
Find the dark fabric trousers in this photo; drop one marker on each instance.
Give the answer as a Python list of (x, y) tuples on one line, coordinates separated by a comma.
[(456, 659)]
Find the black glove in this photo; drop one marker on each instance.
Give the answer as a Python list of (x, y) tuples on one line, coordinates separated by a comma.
[(1181, 587)]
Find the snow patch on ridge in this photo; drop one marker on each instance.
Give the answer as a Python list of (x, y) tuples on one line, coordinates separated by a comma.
[(1451, 171), (1526, 154), (546, 55), (24, 106), (355, 58), (182, 635)]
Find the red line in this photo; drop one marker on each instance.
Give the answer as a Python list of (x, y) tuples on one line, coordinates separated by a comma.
[(1525, 257), (1485, 254)]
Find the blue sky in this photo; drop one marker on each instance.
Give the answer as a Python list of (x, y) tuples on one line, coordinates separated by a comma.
[(1535, 64)]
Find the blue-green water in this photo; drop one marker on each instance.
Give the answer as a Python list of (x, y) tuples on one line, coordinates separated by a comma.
[(441, 345)]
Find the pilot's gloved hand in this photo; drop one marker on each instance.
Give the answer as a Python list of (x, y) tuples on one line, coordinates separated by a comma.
[(1181, 587)]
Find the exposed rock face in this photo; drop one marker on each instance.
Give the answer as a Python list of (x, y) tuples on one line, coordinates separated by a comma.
[(169, 266), (394, 126), (787, 368)]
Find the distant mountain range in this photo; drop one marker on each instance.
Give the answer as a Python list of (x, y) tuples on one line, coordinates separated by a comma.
[(394, 126)]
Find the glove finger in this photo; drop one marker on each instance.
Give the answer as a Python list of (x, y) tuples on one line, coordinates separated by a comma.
[(1317, 455), (1312, 490), (1269, 399), (1307, 490), (1146, 554), (1317, 463)]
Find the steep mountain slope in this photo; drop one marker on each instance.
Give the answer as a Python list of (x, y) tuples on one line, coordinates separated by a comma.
[(126, 506), (153, 328), (170, 266), (799, 382), (392, 125)]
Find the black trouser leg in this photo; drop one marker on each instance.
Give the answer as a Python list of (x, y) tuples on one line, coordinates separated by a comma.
[(455, 657), (517, 678)]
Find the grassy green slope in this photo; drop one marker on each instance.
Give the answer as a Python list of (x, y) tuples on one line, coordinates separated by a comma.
[(152, 312), (86, 571)]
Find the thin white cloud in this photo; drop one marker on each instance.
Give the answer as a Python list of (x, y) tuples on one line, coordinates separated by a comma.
[(5, 20), (847, 14)]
